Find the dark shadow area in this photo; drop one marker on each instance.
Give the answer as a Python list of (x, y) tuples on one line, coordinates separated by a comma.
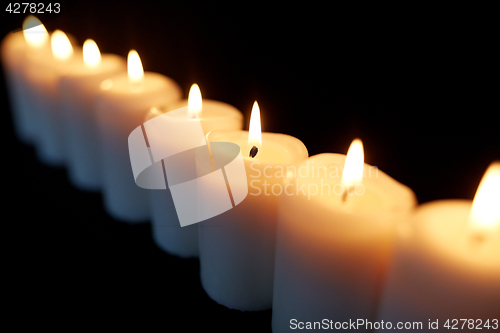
[(417, 86)]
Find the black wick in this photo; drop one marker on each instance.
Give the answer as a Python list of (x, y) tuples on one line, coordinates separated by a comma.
[(253, 151)]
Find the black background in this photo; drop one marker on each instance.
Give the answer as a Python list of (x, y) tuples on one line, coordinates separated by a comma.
[(418, 85)]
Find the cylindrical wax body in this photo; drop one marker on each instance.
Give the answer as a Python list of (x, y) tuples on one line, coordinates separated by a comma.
[(121, 107), (167, 232), (42, 76), (16, 58), (79, 89), (441, 274), (331, 255), (13, 57), (237, 247)]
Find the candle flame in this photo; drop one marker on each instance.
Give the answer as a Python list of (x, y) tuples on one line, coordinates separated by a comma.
[(134, 65), (485, 212), (194, 101), (61, 46), (91, 54), (354, 163), (254, 129), (34, 32)]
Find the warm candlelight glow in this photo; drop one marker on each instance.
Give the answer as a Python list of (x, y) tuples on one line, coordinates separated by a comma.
[(135, 70), (485, 212), (91, 54), (34, 32), (254, 129), (106, 84), (194, 101), (353, 167), (61, 46)]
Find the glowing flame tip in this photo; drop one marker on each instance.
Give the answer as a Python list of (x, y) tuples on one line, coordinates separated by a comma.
[(91, 53), (254, 129), (34, 32), (61, 46), (195, 101), (485, 213), (354, 163), (135, 69)]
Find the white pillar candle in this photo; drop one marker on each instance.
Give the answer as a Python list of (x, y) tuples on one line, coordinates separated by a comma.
[(446, 270), (124, 101), (79, 88), (167, 232), (43, 74), (237, 247), (17, 49), (335, 234)]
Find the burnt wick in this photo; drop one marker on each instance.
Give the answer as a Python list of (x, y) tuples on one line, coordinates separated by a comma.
[(253, 152), (344, 196), (477, 239)]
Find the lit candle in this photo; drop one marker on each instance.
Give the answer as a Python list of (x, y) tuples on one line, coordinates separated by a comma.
[(237, 247), (17, 49), (121, 107), (167, 232), (446, 271), (43, 74), (79, 88), (337, 221)]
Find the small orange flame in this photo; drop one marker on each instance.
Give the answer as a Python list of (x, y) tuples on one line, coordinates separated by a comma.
[(91, 54), (134, 65), (485, 212), (34, 32), (194, 101), (353, 166), (254, 129), (61, 46)]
